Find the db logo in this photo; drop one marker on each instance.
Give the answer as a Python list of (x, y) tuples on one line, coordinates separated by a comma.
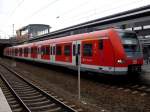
[(134, 62)]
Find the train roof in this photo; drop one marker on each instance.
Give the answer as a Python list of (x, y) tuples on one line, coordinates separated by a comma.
[(97, 34)]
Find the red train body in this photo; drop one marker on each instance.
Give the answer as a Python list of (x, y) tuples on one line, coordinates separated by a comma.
[(110, 51)]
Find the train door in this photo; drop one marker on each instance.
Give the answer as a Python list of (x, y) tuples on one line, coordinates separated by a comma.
[(74, 52), (105, 54), (35, 52), (101, 52), (47, 52), (76, 48), (29, 52), (52, 53), (39, 52), (20, 52), (26, 52)]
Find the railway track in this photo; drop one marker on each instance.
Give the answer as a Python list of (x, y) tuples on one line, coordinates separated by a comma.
[(28, 98), (136, 88), (140, 89), (15, 104)]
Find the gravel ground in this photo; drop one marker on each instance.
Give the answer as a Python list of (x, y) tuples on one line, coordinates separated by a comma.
[(96, 96)]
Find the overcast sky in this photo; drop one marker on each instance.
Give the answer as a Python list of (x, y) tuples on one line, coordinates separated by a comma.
[(58, 13)]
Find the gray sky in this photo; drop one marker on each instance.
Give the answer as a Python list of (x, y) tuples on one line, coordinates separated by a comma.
[(58, 13)]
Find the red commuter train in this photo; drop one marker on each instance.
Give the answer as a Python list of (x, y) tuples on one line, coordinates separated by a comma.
[(111, 51)]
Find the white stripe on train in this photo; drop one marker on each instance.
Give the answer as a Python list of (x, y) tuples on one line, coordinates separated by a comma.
[(84, 67)]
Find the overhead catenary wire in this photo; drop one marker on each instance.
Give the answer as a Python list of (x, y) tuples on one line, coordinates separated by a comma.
[(106, 10), (78, 18), (65, 17), (42, 8), (77, 7), (74, 8), (14, 10)]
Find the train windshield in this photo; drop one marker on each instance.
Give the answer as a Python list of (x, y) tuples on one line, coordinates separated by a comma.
[(131, 43)]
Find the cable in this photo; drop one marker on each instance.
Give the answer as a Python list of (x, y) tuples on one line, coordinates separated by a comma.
[(89, 15), (71, 10), (76, 7), (42, 8), (13, 11), (19, 4)]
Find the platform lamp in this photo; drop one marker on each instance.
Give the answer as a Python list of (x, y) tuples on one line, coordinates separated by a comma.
[(79, 77)]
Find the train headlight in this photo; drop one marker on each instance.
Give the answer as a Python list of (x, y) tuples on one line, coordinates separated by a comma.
[(120, 61)]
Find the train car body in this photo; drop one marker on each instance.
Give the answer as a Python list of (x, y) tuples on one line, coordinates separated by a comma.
[(110, 51)]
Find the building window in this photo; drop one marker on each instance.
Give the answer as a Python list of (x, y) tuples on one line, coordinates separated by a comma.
[(146, 27), (67, 50), (130, 29), (87, 49), (137, 28), (58, 50)]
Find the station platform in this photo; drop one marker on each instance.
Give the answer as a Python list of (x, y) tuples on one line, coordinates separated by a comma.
[(4, 106)]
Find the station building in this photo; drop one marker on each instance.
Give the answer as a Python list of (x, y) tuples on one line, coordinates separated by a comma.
[(31, 31)]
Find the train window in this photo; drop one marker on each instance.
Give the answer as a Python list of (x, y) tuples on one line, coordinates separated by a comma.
[(16, 51), (42, 50), (74, 50), (23, 50), (38, 50), (58, 50), (47, 50), (13, 52), (31, 50), (100, 44), (35, 50), (20, 51), (87, 49), (67, 50), (26, 51)]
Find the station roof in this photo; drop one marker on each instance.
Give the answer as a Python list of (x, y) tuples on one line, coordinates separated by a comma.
[(30, 25)]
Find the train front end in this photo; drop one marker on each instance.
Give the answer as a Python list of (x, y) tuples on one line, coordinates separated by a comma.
[(132, 49)]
